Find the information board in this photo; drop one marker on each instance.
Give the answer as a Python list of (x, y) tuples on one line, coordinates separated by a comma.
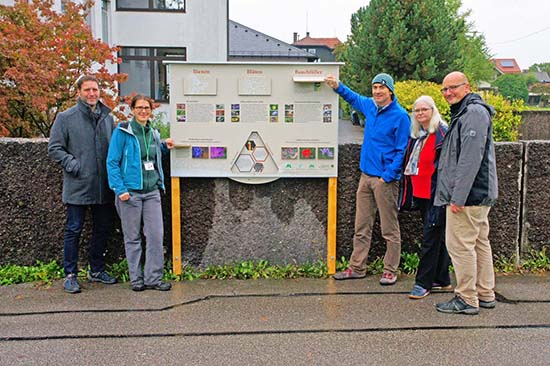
[(253, 120)]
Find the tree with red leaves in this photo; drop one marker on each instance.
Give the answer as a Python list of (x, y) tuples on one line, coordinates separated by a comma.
[(42, 54)]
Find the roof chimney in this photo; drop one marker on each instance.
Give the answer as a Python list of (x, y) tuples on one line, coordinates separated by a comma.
[(295, 37), (307, 34)]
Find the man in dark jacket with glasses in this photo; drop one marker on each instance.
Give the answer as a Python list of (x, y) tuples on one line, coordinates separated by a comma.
[(467, 185)]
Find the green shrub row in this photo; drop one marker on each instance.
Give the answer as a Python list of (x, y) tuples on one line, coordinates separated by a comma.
[(48, 272), (505, 122)]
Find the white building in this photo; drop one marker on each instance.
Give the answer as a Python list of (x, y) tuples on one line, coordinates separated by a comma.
[(151, 31)]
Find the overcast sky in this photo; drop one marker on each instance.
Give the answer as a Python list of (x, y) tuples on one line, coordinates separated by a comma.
[(512, 28)]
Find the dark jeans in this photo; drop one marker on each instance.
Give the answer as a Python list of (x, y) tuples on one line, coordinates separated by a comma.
[(102, 221), (434, 259)]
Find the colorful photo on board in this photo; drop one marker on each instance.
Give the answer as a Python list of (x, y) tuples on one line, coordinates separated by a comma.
[(273, 113), (289, 113), (199, 152), (235, 113), (220, 113), (289, 153), (326, 153), (327, 113), (181, 115), (307, 153), (218, 152)]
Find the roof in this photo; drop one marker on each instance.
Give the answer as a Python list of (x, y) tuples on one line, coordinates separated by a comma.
[(506, 65), (310, 41), (542, 77), (247, 42)]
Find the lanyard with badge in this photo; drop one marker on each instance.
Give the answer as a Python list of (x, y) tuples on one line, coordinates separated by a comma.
[(147, 164)]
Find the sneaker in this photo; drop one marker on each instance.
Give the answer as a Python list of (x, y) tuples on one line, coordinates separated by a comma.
[(102, 277), (487, 304), (138, 287), (388, 279), (438, 287), (347, 274), (418, 292), (161, 286), (70, 284), (456, 306)]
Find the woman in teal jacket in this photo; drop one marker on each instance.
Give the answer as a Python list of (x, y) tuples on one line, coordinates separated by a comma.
[(134, 169)]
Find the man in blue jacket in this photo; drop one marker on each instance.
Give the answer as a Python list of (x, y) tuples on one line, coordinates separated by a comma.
[(79, 141), (387, 128)]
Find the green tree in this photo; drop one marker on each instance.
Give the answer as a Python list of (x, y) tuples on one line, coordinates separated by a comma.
[(512, 86), (412, 40), (544, 90), (42, 54), (542, 67), (507, 118)]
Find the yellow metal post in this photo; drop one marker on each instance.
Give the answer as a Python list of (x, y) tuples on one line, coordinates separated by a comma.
[(176, 226), (331, 226)]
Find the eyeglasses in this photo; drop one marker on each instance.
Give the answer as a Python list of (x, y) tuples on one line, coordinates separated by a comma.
[(143, 108), (452, 87), (421, 110)]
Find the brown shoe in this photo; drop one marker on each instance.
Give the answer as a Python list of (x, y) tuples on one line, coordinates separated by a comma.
[(347, 274), (438, 287)]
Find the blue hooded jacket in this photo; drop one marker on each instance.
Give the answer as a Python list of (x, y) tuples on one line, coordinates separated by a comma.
[(386, 135), (124, 160)]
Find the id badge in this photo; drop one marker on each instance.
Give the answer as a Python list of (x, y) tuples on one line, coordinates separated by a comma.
[(148, 165)]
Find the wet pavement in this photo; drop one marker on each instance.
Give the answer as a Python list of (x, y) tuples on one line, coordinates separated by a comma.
[(280, 322)]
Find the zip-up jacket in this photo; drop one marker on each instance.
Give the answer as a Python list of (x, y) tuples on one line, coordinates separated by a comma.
[(79, 141), (124, 165), (385, 138), (467, 174), (436, 215)]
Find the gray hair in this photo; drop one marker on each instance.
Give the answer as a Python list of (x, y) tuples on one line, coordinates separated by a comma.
[(434, 122)]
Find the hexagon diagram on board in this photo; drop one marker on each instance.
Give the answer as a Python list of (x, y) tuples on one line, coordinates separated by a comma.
[(254, 158)]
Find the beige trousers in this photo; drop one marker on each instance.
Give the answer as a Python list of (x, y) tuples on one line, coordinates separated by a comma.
[(467, 238), (374, 195)]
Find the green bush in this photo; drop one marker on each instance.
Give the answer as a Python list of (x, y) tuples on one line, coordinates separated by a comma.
[(159, 123), (505, 122), (507, 118), (409, 91)]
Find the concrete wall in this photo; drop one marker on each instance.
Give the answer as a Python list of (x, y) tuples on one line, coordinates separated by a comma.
[(284, 222), (536, 196)]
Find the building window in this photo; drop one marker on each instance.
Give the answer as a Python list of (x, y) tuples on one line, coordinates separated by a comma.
[(312, 50), (146, 72), (151, 5)]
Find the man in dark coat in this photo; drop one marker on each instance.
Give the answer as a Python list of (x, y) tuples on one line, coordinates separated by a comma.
[(79, 142), (467, 185)]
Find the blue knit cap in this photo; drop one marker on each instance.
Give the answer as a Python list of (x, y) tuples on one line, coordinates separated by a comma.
[(384, 79)]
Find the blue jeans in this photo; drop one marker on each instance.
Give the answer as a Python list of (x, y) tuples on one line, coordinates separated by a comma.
[(102, 221)]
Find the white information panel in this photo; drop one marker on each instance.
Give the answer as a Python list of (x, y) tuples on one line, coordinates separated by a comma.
[(253, 120)]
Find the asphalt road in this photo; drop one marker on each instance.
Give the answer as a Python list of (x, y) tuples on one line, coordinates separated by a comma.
[(275, 322)]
